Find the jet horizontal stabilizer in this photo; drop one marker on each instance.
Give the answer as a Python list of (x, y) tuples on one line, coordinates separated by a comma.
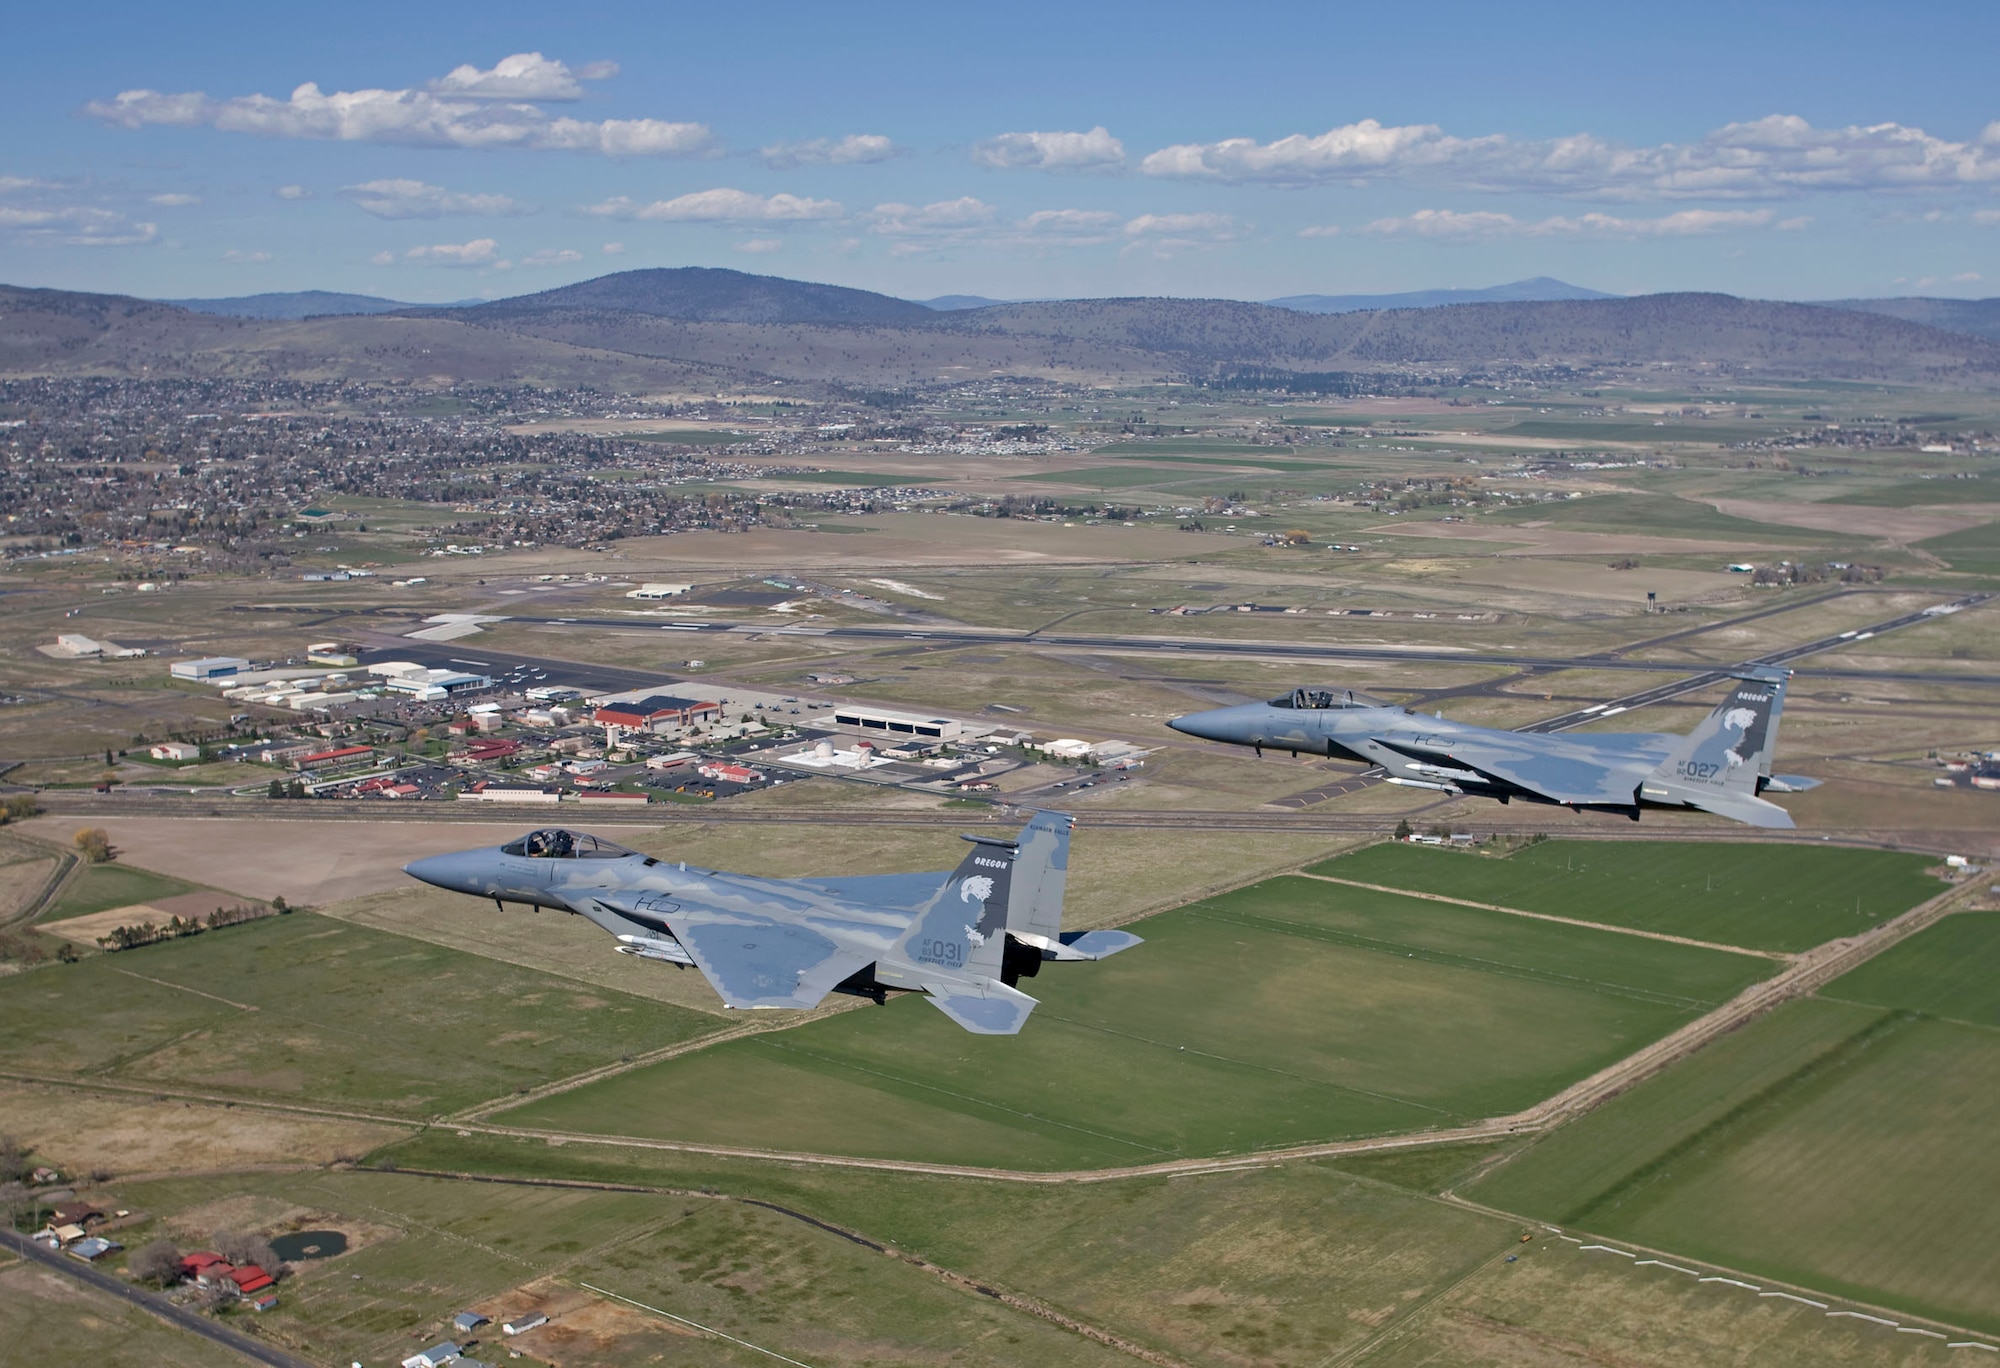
[(987, 1008), (1091, 945)]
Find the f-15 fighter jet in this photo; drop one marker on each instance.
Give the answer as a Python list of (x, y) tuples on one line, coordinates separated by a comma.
[(1722, 766), (964, 936)]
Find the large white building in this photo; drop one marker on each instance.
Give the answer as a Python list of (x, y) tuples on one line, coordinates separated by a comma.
[(900, 724), (208, 667)]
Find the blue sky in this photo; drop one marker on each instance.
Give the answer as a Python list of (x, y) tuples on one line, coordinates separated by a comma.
[(445, 151)]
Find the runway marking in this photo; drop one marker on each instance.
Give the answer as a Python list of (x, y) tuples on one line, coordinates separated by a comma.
[(1780, 956)]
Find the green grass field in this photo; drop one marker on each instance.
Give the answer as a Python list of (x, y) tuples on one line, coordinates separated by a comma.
[(1283, 1013), (1122, 477), (98, 888), (1843, 1142), (1293, 1265), (1660, 515), (1666, 434), (1255, 462), (1191, 447), (307, 1008), (1981, 487), (1763, 897), (1974, 551), (1949, 971)]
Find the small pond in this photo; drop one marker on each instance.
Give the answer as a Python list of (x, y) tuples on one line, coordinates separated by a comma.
[(309, 1244)]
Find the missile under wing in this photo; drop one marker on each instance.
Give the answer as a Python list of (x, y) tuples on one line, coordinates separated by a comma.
[(964, 936), (1723, 766)]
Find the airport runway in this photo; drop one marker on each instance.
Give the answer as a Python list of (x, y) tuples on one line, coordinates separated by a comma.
[(466, 653)]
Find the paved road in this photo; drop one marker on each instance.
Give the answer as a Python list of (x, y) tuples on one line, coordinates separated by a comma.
[(191, 1321)]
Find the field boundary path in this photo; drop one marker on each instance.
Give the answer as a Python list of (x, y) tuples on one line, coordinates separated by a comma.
[(1552, 917), (178, 1316)]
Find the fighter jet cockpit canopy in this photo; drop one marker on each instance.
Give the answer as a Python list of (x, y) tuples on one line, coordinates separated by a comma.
[(554, 843), (1320, 699)]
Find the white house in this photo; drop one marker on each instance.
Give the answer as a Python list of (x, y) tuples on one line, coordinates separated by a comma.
[(175, 750)]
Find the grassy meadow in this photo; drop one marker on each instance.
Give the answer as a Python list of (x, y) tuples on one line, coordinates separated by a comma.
[(1284, 1013), (1760, 896)]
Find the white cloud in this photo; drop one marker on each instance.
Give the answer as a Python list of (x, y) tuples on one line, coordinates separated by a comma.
[(236, 258), (76, 226), (758, 246), (1987, 218), (855, 149), (1778, 156), (293, 192), (463, 109), (402, 198), (478, 252), (547, 256), (1450, 223), (614, 249), (721, 206), (523, 76), (1967, 278), (173, 199), (943, 216), (1321, 230), (1208, 225), (1096, 150), (46, 213), (1073, 227)]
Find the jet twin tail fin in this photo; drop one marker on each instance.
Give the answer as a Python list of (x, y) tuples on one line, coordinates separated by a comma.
[(1722, 764), (962, 930)]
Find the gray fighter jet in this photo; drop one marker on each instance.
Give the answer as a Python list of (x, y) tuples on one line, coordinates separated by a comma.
[(964, 936), (1722, 766)]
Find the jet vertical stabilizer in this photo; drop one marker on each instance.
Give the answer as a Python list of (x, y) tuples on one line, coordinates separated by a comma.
[(1722, 764)]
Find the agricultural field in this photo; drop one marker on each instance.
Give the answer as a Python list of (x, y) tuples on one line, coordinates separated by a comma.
[(101, 887), (1287, 1012), (1763, 897), (1841, 1143), (309, 1009)]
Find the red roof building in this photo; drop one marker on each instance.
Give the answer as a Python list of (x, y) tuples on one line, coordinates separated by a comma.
[(251, 1278), (340, 755), (659, 711)]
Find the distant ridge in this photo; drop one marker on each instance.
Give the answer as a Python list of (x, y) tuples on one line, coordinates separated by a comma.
[(633, 332), (949, 303), (292, 304), (1979, 317), (699, 294), (1539, 290)]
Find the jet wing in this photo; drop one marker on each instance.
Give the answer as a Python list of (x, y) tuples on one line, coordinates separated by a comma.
[(1553, 769), (750, 960)]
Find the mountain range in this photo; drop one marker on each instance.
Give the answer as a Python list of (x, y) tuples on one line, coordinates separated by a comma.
[(698, 329)]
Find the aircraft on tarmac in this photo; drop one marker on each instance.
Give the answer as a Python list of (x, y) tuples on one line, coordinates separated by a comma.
[(1722, 766), (964, 936)]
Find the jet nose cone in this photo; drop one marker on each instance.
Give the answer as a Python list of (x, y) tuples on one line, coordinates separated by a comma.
[(443, 871), (1206, 725)]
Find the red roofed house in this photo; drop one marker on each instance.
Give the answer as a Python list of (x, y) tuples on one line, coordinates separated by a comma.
[(204, 1267), (250, 1278)]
